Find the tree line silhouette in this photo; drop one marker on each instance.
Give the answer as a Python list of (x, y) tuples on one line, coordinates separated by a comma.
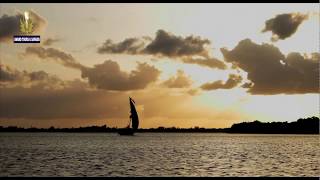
[(301, 126)]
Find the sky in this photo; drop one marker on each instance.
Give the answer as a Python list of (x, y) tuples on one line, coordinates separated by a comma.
[(185, 65)]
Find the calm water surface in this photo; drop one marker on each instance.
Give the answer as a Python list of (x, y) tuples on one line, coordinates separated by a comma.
[(158, 154)]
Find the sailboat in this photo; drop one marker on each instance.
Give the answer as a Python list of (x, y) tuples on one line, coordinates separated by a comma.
[(134, 120)]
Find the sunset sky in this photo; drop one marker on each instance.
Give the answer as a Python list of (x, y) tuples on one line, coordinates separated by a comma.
[(185, 65)]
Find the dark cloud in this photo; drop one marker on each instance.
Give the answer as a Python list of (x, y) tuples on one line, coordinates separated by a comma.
[(128, 46), (209, 62), (164, 44), (271, 72), (8, 74), (50, 41), (10, 25), (284, 25), (247, 85), (232, 82), (109, 76), (44, 79), (55, 54), (38, 75), (11, 77), (190, 49), (169, 45), (181, 80)]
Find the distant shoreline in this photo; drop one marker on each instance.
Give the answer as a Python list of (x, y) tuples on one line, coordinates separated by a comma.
[(301, 126), (159, 132)]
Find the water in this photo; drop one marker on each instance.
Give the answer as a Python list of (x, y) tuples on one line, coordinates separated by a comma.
[(158, 154)]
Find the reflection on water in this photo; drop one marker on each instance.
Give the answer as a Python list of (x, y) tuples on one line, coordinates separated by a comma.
[(158, 154)]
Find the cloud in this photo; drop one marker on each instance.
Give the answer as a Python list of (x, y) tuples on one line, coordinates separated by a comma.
[(208, 62), (75, 103), (109, 76), (39, 95), (169, 45), (164, 44), (50, 41), (284, 25), (232, 82), (10, 25), (271, 72), (128, 46), (181, 80), (55, 54), (11, 77), (106, 76), (8, 74), (247, 85), (190, 49)]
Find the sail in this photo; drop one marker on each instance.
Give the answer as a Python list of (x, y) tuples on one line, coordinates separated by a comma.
[(134, 115)]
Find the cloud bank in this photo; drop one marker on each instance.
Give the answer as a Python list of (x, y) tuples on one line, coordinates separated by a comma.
[(232, 82), (271, 72)]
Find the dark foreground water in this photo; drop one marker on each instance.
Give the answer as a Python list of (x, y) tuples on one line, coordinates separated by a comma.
[(158, 154)]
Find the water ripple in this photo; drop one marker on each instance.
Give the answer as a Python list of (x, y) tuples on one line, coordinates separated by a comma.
[(156, 154)]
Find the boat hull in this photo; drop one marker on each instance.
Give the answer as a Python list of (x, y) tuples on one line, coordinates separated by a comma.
[(126, 132)]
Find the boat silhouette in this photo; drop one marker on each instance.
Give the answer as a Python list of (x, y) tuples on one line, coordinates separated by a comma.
[(133, 122)]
